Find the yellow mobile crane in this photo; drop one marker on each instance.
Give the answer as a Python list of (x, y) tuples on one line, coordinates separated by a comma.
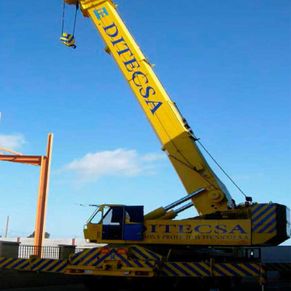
[(222, 244), (220, 221)]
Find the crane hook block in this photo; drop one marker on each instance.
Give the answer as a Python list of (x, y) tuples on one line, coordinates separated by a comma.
[(68, 40)]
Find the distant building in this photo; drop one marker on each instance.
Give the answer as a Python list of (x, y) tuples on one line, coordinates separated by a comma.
[(78, 242)]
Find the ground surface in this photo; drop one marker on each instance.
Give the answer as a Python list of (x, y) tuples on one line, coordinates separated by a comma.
[(13, 279), (77, 287), (27, 281)]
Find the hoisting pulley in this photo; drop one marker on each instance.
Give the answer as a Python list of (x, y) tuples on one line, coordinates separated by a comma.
[(68, 39)]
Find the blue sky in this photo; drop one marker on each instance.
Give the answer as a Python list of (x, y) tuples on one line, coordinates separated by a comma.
[(226, 65)]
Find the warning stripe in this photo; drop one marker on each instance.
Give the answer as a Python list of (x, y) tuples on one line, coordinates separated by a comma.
[(202, 268), (144, 254), (102, 258), (264, 211), (167, 271), (264, 218), (2, 259), (48, 265), (35, 264), (6, 262), (230, 269), (138, 263), (80, 257), (193, 270), (183, 269), (255, 267), (95, 257), (279, 267), (61, 267), (21, 264), (269, 225), (90, 258), (236, 269), (12, 263), (248, 268), (124, 260), (219, 270), (180, 270), (258, 210), (187, 269), (53, 266), (244, 272)]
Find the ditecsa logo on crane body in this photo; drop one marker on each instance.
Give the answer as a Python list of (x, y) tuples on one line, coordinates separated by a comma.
[(130, 62), (194, 231)]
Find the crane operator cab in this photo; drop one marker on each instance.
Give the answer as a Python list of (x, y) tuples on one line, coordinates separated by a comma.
[(116, 222)]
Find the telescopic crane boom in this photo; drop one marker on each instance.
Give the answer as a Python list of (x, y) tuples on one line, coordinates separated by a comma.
[(176, 136)]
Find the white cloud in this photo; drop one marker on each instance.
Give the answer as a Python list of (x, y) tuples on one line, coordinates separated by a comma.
[(119, 162), (12, 142), (152, 157)]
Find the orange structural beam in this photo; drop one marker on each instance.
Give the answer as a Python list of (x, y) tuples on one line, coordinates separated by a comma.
[(44, 163), (42, 197), (30, 160)]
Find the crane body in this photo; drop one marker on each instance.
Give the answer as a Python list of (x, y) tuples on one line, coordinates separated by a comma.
[(256, 225)]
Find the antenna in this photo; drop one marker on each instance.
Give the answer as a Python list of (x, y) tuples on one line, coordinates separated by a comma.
[(6, 227)]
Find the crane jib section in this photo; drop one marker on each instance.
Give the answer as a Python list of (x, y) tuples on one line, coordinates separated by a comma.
[(132, 66), (151, 95)]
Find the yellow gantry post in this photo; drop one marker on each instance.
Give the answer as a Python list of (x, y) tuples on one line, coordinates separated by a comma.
[(44, 163), (171, 128)]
